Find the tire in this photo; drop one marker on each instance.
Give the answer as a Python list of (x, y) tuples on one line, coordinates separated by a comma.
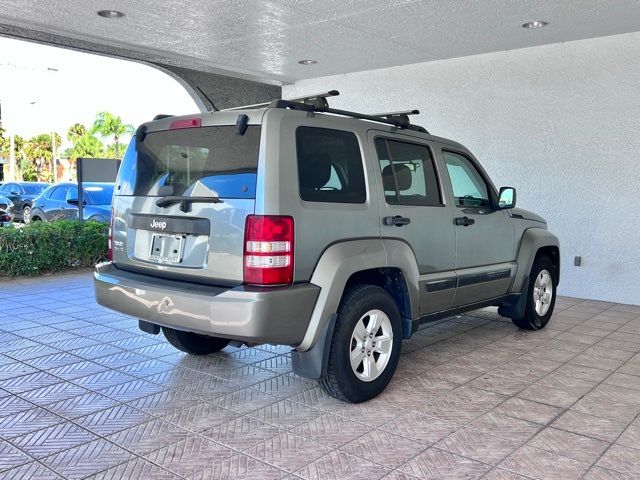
[(536, 319), (193, 343), (360, 305), (26, 214)]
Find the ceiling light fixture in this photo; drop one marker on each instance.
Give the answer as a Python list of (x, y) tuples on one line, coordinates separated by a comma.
[(535, 24), (110, 13), (307, 62)]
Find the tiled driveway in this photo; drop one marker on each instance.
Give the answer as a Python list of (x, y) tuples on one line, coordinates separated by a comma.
[(84, 393)]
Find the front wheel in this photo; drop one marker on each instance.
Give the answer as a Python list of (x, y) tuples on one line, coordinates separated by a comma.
[(365, 347), (541, 295), (26, 214), (194, 343)]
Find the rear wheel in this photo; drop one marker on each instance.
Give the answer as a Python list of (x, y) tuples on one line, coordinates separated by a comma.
[(194, 343), (365, 347), (541, 295)]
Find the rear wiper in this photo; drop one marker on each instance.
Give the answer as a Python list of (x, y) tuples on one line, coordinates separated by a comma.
[(185, 202)]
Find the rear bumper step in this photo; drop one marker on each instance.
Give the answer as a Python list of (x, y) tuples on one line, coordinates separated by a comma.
[(277, 315)]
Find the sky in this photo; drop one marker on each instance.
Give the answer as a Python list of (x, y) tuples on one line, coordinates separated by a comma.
[(45, 88)]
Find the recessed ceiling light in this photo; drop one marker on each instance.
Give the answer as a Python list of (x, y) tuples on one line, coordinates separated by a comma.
[(110, 14), (535, 24), (307, 62)]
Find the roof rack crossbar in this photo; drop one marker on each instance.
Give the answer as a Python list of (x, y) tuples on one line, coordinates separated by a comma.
[(402, 117), (395, 114), (315, 99)]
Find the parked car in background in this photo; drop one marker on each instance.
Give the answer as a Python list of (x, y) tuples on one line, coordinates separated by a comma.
[(22, 195), (5, 219), (60, 202), (5, 203)]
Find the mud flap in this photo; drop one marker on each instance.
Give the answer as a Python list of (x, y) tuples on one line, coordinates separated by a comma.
[(313, 363), (515, 306)]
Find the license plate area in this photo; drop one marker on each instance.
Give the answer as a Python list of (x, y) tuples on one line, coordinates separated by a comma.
[(167, 248)]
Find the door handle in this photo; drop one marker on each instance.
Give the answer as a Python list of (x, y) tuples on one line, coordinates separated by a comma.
[(398, 221), (464, 221)]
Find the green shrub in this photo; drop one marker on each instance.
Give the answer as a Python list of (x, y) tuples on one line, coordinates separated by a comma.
[(50, 247)]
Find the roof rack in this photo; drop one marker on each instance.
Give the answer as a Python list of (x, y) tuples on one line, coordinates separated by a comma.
[(402, 116), (315, 99), (396, 119)]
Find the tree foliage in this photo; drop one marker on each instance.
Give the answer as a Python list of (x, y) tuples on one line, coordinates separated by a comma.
[(34, 156), (109, 125), (38, 151)]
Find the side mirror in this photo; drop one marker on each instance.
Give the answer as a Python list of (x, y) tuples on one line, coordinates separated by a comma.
[(15, 193), (507, 198), (72, 201)]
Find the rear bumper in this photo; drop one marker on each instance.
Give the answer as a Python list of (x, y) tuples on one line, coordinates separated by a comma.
[(278, 315)]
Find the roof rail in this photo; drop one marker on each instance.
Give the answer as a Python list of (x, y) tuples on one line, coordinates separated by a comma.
[(399, 119), (160, 116)]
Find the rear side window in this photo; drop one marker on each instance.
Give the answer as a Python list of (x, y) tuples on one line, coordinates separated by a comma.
[(408, 174), (192, 161), (329, 166), (34, 189)]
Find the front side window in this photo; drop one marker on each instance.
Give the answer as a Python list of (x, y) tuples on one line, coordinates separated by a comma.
[(469, 188), (408, 174), (329, 166), (11, 188)]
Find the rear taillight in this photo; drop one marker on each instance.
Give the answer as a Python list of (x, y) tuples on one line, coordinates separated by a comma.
[(110, 238), (268, 250)]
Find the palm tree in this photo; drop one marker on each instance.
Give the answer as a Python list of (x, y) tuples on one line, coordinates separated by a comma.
[(85, 146), (76, 131), (110, 125), (38, 151)]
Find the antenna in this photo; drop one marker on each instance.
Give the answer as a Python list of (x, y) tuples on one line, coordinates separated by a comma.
[(215, 109)]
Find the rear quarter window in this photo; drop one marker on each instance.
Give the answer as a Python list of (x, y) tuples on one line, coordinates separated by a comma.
[(329, 166)]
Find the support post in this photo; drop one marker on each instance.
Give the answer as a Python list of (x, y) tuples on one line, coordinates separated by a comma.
[(80, 190)]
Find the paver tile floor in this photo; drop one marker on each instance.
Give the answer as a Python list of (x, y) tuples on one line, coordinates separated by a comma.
[(85, 394)]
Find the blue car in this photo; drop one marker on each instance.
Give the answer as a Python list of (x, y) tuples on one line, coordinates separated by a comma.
[(5, 203), (60, 202)]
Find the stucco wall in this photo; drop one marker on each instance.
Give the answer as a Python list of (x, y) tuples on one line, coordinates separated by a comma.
[(561, 123)]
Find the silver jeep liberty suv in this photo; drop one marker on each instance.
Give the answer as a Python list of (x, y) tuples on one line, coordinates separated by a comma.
[(333, 232)]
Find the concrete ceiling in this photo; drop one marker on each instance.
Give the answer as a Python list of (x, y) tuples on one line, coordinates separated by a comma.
[(264, 39)]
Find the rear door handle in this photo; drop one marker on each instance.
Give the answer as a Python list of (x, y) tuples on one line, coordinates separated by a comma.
[(398, 221), (464, 221)]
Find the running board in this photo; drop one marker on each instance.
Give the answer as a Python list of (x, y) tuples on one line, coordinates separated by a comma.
[(510, 298)]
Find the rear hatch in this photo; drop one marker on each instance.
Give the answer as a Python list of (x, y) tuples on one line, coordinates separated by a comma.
[(184, 190)]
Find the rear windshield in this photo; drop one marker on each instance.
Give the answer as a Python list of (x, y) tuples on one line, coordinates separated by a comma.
[(97, 194), (192, 161)]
